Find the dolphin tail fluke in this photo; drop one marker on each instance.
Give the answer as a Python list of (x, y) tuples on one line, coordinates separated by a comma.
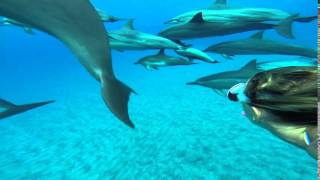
[(17, 109), (116, 95), (285, 27), (306, 19)]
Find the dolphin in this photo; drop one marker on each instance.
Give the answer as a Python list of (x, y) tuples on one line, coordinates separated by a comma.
[(128, 38), (77, 24), (162, 60), (220, 12), (220, 82), (256, 44), (7, 22), (198, 27), (11, 109), (192, 53), (283, 101), (107, 17)]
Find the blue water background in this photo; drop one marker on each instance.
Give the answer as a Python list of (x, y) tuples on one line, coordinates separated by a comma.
[(182, 132)]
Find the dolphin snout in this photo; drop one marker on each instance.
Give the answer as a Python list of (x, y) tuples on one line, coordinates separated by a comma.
[(192, 83)]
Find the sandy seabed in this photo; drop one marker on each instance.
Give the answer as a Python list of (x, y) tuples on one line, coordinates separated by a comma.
[(182, 133)]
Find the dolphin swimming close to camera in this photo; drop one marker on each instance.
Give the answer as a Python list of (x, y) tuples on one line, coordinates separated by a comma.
[(12, 109), (128, 38), (223, 81), (77, 24), (257, 45)]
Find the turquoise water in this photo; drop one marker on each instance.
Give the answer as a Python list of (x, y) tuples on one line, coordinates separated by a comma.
[(182, 132)]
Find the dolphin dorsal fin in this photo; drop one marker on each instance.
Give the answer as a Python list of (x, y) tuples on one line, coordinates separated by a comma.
[(198, 18), (252, 65), (258, 35), (161, 52), (129, 25), (6, 104), (218, 4)]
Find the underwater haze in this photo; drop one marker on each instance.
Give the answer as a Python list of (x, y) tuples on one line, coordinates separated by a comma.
[(182, 132)]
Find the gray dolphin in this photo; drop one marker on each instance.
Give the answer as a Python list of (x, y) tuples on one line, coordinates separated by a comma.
[(257, 45), (7, 22), (283, 101), (219, 11), (198, 27), (11, 109), (77, 24), (220, 82), (162, 60), (128, 38)]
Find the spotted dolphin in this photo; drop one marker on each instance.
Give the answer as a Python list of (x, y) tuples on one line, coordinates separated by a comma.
[(128, 38), (219, 11), (77, 24), (154, 62), (256, 45), (221, 82), (199, 27)]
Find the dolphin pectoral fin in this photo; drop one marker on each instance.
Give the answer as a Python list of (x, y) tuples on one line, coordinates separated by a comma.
[(17, 109), (116, 96), (150, 68), (285, 27), (28, 30), (227, 56)]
